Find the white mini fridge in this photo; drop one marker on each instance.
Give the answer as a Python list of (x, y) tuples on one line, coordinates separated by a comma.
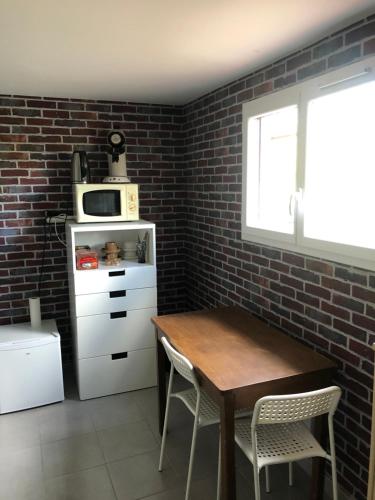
[(30, 366)]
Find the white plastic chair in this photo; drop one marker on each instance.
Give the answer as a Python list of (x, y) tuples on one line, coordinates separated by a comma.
[(276, 433), (205, 410)]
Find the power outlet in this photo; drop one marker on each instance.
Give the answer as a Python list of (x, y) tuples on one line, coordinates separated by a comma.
[(60, 219)]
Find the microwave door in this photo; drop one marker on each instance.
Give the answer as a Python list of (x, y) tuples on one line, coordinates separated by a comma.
[(102, 203)]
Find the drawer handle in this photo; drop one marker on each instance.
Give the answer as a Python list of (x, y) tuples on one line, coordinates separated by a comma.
[(117, 293), (119, 355), (116, 273), (120, 314)]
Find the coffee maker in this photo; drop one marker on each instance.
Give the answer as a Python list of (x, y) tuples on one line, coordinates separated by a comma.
[(116, 159)]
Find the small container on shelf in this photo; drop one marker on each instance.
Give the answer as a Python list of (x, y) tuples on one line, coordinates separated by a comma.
[(111, 254), (86, 259), (129, 250)]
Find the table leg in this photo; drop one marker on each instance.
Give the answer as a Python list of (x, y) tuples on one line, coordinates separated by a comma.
[(228, 473), (161, 358), (317, 480)]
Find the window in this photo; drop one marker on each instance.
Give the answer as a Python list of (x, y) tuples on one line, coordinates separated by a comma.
[(309, 167)]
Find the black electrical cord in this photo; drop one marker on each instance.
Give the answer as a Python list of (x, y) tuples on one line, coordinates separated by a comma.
[(41, 269)]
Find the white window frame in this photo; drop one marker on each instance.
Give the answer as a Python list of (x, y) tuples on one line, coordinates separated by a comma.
[(301, 94)]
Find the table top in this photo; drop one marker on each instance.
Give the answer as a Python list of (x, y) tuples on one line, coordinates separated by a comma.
[(233, 349)]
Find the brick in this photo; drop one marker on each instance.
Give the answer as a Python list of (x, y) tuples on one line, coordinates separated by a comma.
[(298, 60), (316, 340), (293, 282), (352, 276), (296, 260), (12, 138), (11, 120), (284, 81), (318, 291), (337, 285), (332, 335), (292, 304), (335, 311), (284, 290), (348, 303), (369, 47), (344, 57), (84, 115), (308, 299), (318, 315), (305, 275), (319, 266), (345, 355), (26, 112), (311, 70), (263, 88), (363, 294), (304, 321), (360, 33), (55, 130), (6, 101), (33, 103), (349, 329), (361, 349), (364, 322), (245, 95), (326, 48), (13, 155), (71, 105), (275, 71), (55, 113)]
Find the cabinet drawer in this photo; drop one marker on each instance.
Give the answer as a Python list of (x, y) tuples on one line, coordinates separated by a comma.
[(103, 375), (102, 334), (105, 280), (115, 301)]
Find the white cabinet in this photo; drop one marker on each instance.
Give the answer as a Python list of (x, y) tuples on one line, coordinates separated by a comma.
[(111, 308)]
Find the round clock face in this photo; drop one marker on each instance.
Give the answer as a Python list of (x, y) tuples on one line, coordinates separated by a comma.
[(116, 139)]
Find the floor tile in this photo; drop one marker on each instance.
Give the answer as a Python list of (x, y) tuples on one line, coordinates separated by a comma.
[(92, 484), (23, 489), (126, 440), (114, 411), (18, 432), (138, 477), (71, 455), (65, 425), (25, 464)]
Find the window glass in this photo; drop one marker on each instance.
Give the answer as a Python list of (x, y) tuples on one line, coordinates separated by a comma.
[(271, 170), (339, 200)]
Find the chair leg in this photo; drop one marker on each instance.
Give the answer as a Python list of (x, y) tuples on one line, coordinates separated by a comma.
[(192, 453), (164, 437), (333, 456), (268, 487), (291, 479), (218, 491), (256, 482)]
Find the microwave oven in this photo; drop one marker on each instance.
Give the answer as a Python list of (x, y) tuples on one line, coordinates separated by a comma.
[(105, 202)]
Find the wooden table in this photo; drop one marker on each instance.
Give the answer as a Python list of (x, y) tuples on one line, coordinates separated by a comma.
[(239, 359)]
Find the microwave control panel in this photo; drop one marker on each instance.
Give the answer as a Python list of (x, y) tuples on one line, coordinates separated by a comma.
[(132, 202)]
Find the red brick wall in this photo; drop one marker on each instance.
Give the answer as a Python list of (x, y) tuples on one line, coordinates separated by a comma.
[(188, 163), (330, 307), (37, 137)]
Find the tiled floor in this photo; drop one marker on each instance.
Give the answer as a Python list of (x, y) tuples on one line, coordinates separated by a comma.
[(108, 448)]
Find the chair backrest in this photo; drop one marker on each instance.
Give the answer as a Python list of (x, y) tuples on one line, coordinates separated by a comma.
[(295, 407), (180, 363)]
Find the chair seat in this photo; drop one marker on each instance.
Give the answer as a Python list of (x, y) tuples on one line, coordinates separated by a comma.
[(209, 411), (278, 443)]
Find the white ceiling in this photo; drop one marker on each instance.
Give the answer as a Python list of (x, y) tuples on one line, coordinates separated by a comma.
[(157, 51)]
